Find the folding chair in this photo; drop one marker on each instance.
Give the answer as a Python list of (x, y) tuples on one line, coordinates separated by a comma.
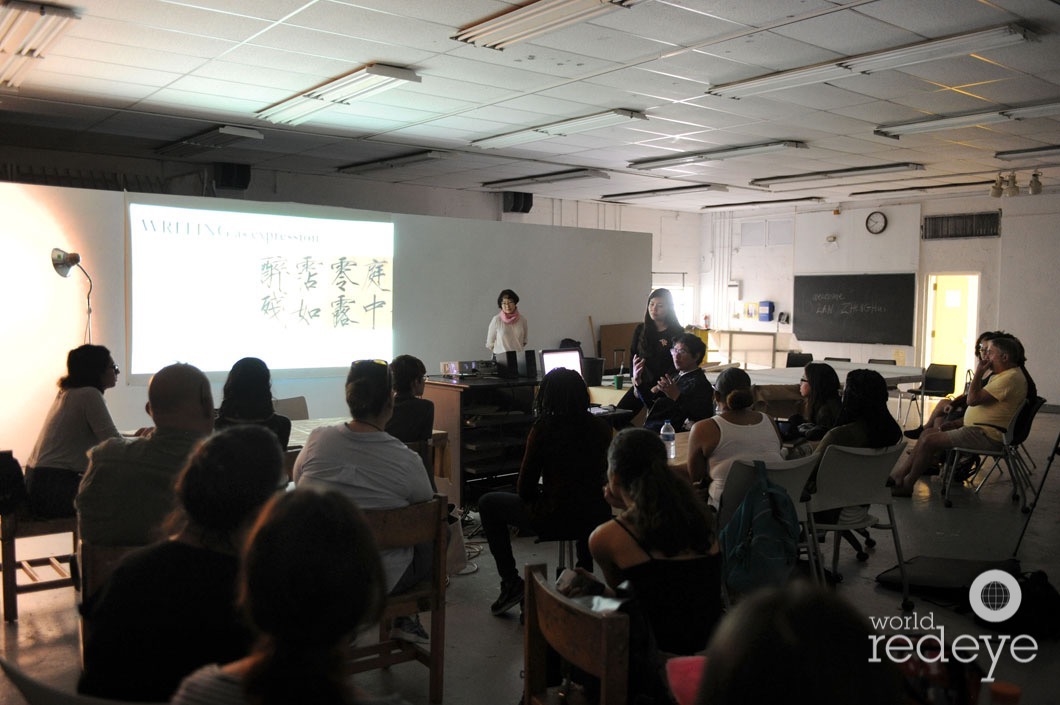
[(595, 642), (850, 477), (796, 359), (398, 528), (939, 381)]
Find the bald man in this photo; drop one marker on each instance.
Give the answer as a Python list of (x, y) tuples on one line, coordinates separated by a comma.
[(127, 491)]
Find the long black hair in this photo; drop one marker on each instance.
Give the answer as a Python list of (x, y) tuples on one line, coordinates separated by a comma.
[(865, 400), (562, 393), (824, 386), (667, 515), (85, 366), (247, 391), (649, 335)]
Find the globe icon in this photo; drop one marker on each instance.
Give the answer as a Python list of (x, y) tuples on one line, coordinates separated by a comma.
[(995, 595)]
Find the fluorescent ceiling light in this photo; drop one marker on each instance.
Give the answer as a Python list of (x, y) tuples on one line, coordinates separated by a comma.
[(838, 173), (1015, 155), (609, 118), (549, 178), (654, 193), (209, 141), (1025, 112), (365, 81), (396, 162), (27, 31), (535, 19), (967, 185), (747, 205), (931, 50), (715, 154)]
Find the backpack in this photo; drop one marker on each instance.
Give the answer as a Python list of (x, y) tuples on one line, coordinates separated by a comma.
[(760, 543)]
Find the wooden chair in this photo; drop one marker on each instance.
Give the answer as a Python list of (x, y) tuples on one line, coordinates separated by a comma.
[(95, 564), (400, 528), (38, 693), (17, 523), (294, 408), (597, 643)]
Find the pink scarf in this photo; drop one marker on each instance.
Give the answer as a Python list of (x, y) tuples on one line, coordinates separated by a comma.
[(510, 318)]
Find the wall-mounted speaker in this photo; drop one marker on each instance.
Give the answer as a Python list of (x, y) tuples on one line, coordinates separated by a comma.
[(229, 175), (517, 201)]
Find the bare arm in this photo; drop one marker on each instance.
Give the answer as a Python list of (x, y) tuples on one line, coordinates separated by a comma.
[(977, 395), (702, 440)]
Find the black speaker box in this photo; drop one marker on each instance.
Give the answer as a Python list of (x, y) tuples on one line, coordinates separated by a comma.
[(528, 364), (517, 202), (229, 175), (508, 364)]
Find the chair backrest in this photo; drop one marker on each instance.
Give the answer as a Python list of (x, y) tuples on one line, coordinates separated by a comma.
[(1020, 426), (940, 380), (38, 693), (796, 359), (849, 476), (408, 526), (595, 642), (837, 359), (778, 401), (96, 563), (881, 361), (792, 475), (294, 408)]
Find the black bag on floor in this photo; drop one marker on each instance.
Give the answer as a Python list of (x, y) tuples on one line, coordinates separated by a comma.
[(1039, 610)]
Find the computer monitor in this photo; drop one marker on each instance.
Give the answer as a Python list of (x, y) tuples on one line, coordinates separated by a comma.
[(571, 358)]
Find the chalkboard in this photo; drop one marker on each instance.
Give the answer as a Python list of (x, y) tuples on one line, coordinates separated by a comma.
[(855, 308)]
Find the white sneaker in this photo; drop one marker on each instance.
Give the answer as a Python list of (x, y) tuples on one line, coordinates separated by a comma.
[(409, 629)]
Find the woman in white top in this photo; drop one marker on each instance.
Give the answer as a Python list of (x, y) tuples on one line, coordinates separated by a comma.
[(77, 421), (737, 431), (508, 328)]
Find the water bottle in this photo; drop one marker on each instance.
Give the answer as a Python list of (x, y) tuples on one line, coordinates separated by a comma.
[(669, 437)]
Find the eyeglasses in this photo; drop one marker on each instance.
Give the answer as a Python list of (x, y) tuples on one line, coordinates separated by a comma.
[(116, 370), (804, 381), (679, 351)]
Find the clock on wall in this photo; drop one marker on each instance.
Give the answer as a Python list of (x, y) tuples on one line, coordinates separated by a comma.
[(876, 223)]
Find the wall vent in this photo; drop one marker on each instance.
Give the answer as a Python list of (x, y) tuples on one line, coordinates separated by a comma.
[(946, 227)]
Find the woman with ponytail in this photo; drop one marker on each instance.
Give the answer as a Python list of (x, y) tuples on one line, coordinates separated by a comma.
[(736, 431), (663, 543)]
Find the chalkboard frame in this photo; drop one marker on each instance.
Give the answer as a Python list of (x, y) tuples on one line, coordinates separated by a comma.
[(855, 308)]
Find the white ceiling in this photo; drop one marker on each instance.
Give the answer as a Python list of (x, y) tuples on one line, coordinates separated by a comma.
[(135, 75)]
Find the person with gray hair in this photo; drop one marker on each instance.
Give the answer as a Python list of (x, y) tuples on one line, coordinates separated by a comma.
[(127, 490)]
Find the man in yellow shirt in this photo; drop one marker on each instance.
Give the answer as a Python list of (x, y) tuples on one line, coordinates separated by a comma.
[(990, 409)]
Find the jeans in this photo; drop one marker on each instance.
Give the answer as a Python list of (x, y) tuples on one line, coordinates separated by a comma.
[(499, 510)]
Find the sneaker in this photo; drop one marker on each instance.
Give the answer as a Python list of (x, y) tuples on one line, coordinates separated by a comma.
[(409, 629), (914, 433), (511, 595)]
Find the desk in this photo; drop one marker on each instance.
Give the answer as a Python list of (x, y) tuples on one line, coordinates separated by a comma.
[(301, 428), (892, 374)]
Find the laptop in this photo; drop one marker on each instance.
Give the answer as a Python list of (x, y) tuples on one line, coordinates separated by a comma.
[(570, 358)]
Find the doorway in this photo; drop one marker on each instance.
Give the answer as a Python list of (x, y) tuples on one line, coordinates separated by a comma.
[(952, 322)]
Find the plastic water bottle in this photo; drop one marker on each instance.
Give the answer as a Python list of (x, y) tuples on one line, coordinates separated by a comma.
[(669, 437)]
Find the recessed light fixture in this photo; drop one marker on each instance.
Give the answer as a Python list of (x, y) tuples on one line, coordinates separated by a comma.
[(838, 173), (365, 81), (716, 154), (535, 19), (942, 48), (396, 162), (551, 178), (27, 31), (654, 193), (609, 118)]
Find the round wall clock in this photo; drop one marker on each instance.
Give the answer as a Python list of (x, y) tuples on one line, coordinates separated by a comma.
[(876, 223)]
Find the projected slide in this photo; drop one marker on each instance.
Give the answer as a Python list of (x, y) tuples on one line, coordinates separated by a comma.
[(209, 287)]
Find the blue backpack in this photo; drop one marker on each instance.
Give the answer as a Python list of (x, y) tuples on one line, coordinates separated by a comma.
[(760, 543)]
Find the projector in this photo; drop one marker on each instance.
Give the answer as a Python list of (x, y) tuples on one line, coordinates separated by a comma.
[(461, 368)]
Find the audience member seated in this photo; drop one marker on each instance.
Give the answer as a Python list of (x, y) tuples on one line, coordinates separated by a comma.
[(169, 608), (663, 544), (413, 418), (819, 388), (563, 468), (991, 407), (649, 351), (798, 644), (248, 399), (127, 491), (864, 422), (311, 579), (374, 469), (77, 420), (737, 431), (685, 397), (948, 414)]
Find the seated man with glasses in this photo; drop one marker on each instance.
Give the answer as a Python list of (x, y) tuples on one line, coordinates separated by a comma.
[(685, 397), (377, 471)]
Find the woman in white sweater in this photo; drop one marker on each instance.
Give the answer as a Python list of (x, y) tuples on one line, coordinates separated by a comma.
[(508, 330)]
